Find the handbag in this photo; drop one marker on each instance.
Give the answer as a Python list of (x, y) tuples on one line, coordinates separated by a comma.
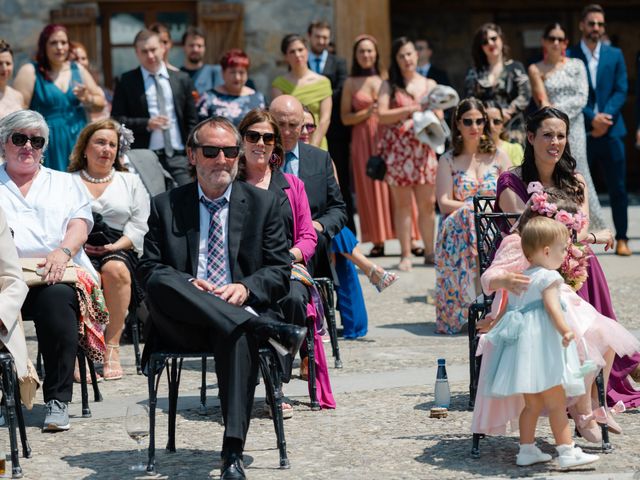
[(32, 277), (376, 167)]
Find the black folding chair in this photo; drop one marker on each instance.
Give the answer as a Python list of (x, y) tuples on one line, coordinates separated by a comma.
[(13, 412), (488, 225), (325, 287), (172, 361)]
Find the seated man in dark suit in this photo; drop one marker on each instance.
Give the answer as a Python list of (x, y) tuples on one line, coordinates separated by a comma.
[(159, 122), (214, 248), (314, 167)]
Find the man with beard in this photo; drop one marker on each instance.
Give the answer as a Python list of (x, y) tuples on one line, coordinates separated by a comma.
[(203, 75), (215, 265), (602, 115)]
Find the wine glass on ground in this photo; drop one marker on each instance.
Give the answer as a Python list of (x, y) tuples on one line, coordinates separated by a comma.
[(137, 426)]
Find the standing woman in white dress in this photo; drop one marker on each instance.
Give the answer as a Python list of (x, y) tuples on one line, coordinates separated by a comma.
[(120, 206), (561, 82)]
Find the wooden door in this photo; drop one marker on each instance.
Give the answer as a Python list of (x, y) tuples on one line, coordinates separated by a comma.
[(222, 23)]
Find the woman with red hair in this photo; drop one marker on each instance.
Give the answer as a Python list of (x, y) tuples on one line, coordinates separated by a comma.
[(59, 89), (233, 99)]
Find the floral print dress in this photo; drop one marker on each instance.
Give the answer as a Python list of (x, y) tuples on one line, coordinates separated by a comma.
[(456, 252)]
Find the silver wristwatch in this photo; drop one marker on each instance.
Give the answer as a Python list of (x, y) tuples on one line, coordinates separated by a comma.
[(67, 251)]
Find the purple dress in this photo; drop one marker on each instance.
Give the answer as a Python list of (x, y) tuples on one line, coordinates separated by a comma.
[(595, 291)]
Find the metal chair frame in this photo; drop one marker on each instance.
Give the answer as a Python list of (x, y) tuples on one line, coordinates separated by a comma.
[(326, 289), (487, 234)]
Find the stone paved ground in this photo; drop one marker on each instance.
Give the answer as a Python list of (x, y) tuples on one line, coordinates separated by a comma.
[(381, 428)]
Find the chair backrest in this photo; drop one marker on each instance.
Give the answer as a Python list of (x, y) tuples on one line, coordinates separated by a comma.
[(488, 233)]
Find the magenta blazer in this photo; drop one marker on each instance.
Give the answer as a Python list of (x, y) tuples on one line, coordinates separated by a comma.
[(304, 235)]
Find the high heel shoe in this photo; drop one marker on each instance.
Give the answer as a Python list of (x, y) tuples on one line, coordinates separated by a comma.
[(385, 279), (112, 370), (591, 434)]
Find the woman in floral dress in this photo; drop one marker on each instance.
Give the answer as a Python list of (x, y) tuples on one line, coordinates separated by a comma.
[(471, 168)]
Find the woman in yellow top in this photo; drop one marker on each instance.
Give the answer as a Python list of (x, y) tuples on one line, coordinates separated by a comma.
[(513, 150), (313, 90)]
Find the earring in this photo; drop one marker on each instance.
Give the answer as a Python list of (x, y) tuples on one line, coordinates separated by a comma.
[(564, 51)]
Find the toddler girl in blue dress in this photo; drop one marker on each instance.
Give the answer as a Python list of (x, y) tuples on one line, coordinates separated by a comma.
[(534, 352)]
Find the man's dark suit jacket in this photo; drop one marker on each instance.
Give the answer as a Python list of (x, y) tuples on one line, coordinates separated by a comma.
[(610, 93), (258, 254), (335, 69), (440, 76), (130, 105), (325, 200)]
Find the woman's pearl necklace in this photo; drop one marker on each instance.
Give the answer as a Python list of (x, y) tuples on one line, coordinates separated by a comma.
[(90, 179)]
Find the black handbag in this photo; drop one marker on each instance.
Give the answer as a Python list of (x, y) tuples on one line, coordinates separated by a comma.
[(376, 167)]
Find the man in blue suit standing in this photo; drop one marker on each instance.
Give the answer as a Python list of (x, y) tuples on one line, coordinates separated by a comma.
[(605, 127)]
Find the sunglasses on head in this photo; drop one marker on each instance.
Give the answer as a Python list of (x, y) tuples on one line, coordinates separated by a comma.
[(311, 127), (593, 23), (211, 151), (252, 136), (467, 122), (554, 39), (492, 39), (20, 139)]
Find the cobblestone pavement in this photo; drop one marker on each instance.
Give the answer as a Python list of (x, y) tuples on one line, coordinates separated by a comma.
[(380, 429)]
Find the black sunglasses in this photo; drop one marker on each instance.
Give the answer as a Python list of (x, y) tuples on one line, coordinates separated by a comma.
[(20, 140), (593, 23), (554, 39), (497, 121), (211, 151), (467, 122), (493, 39), (254, 137), (311, 127)]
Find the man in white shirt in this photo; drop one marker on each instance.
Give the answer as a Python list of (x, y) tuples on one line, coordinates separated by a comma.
[(159, 122)]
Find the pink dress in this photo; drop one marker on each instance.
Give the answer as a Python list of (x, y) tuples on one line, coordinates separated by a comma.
[(594, 333), (409, 161)]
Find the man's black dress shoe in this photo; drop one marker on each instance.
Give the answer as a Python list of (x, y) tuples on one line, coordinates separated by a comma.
[(233, 468), (288, 336)]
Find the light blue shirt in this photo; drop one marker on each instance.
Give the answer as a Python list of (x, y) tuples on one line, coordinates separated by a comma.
[(203, 246), (313, 60), (292, 162)]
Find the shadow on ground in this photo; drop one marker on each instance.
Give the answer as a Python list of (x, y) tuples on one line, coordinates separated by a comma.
[(421, 329)]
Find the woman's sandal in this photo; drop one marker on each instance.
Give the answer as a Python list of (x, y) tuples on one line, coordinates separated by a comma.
[(76, 375), (405, 264), (376, 251), (430, 259), (385, 279), (417, 251), (112, 370), (287, 410)]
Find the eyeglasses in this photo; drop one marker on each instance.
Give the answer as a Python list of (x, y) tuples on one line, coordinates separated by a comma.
[(211, 151), (20, 140), (593, 23), (492, 39), (553, 39), (310, 127), (467, 122), (254, 137), (497, 121)]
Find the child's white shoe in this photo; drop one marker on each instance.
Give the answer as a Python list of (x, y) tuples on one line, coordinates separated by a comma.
[(572, 456), (530, 454)]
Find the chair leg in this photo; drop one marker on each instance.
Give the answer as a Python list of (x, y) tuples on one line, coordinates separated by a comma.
[(329, 306), (602, 400), (271, 376), (156, 364), (135, 338), (82, 367), (39, 369), (8, 388), (97, 396), (174, 385), (313, 390), (26, 448), (202, 410), (475, 448)]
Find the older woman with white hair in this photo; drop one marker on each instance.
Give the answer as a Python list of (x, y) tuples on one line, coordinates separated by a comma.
[(51, 218)]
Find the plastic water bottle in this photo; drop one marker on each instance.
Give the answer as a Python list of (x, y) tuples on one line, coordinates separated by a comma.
[(442, 393)]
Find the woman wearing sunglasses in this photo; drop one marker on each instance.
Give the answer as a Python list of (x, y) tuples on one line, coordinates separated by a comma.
[(561, 82), (51, 218), (495, 76), (233, 99), (313, 90), (11, 100), (470, 168), (59, 89), (259, 165), (514, 151)]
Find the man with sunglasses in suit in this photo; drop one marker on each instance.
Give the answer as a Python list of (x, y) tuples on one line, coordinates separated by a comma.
[(215, 264), (160, 122), (607, 75), (338, 136)]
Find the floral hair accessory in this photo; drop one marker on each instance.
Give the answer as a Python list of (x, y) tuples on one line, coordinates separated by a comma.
[(535, 187), (125, 136), (539, 203)]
